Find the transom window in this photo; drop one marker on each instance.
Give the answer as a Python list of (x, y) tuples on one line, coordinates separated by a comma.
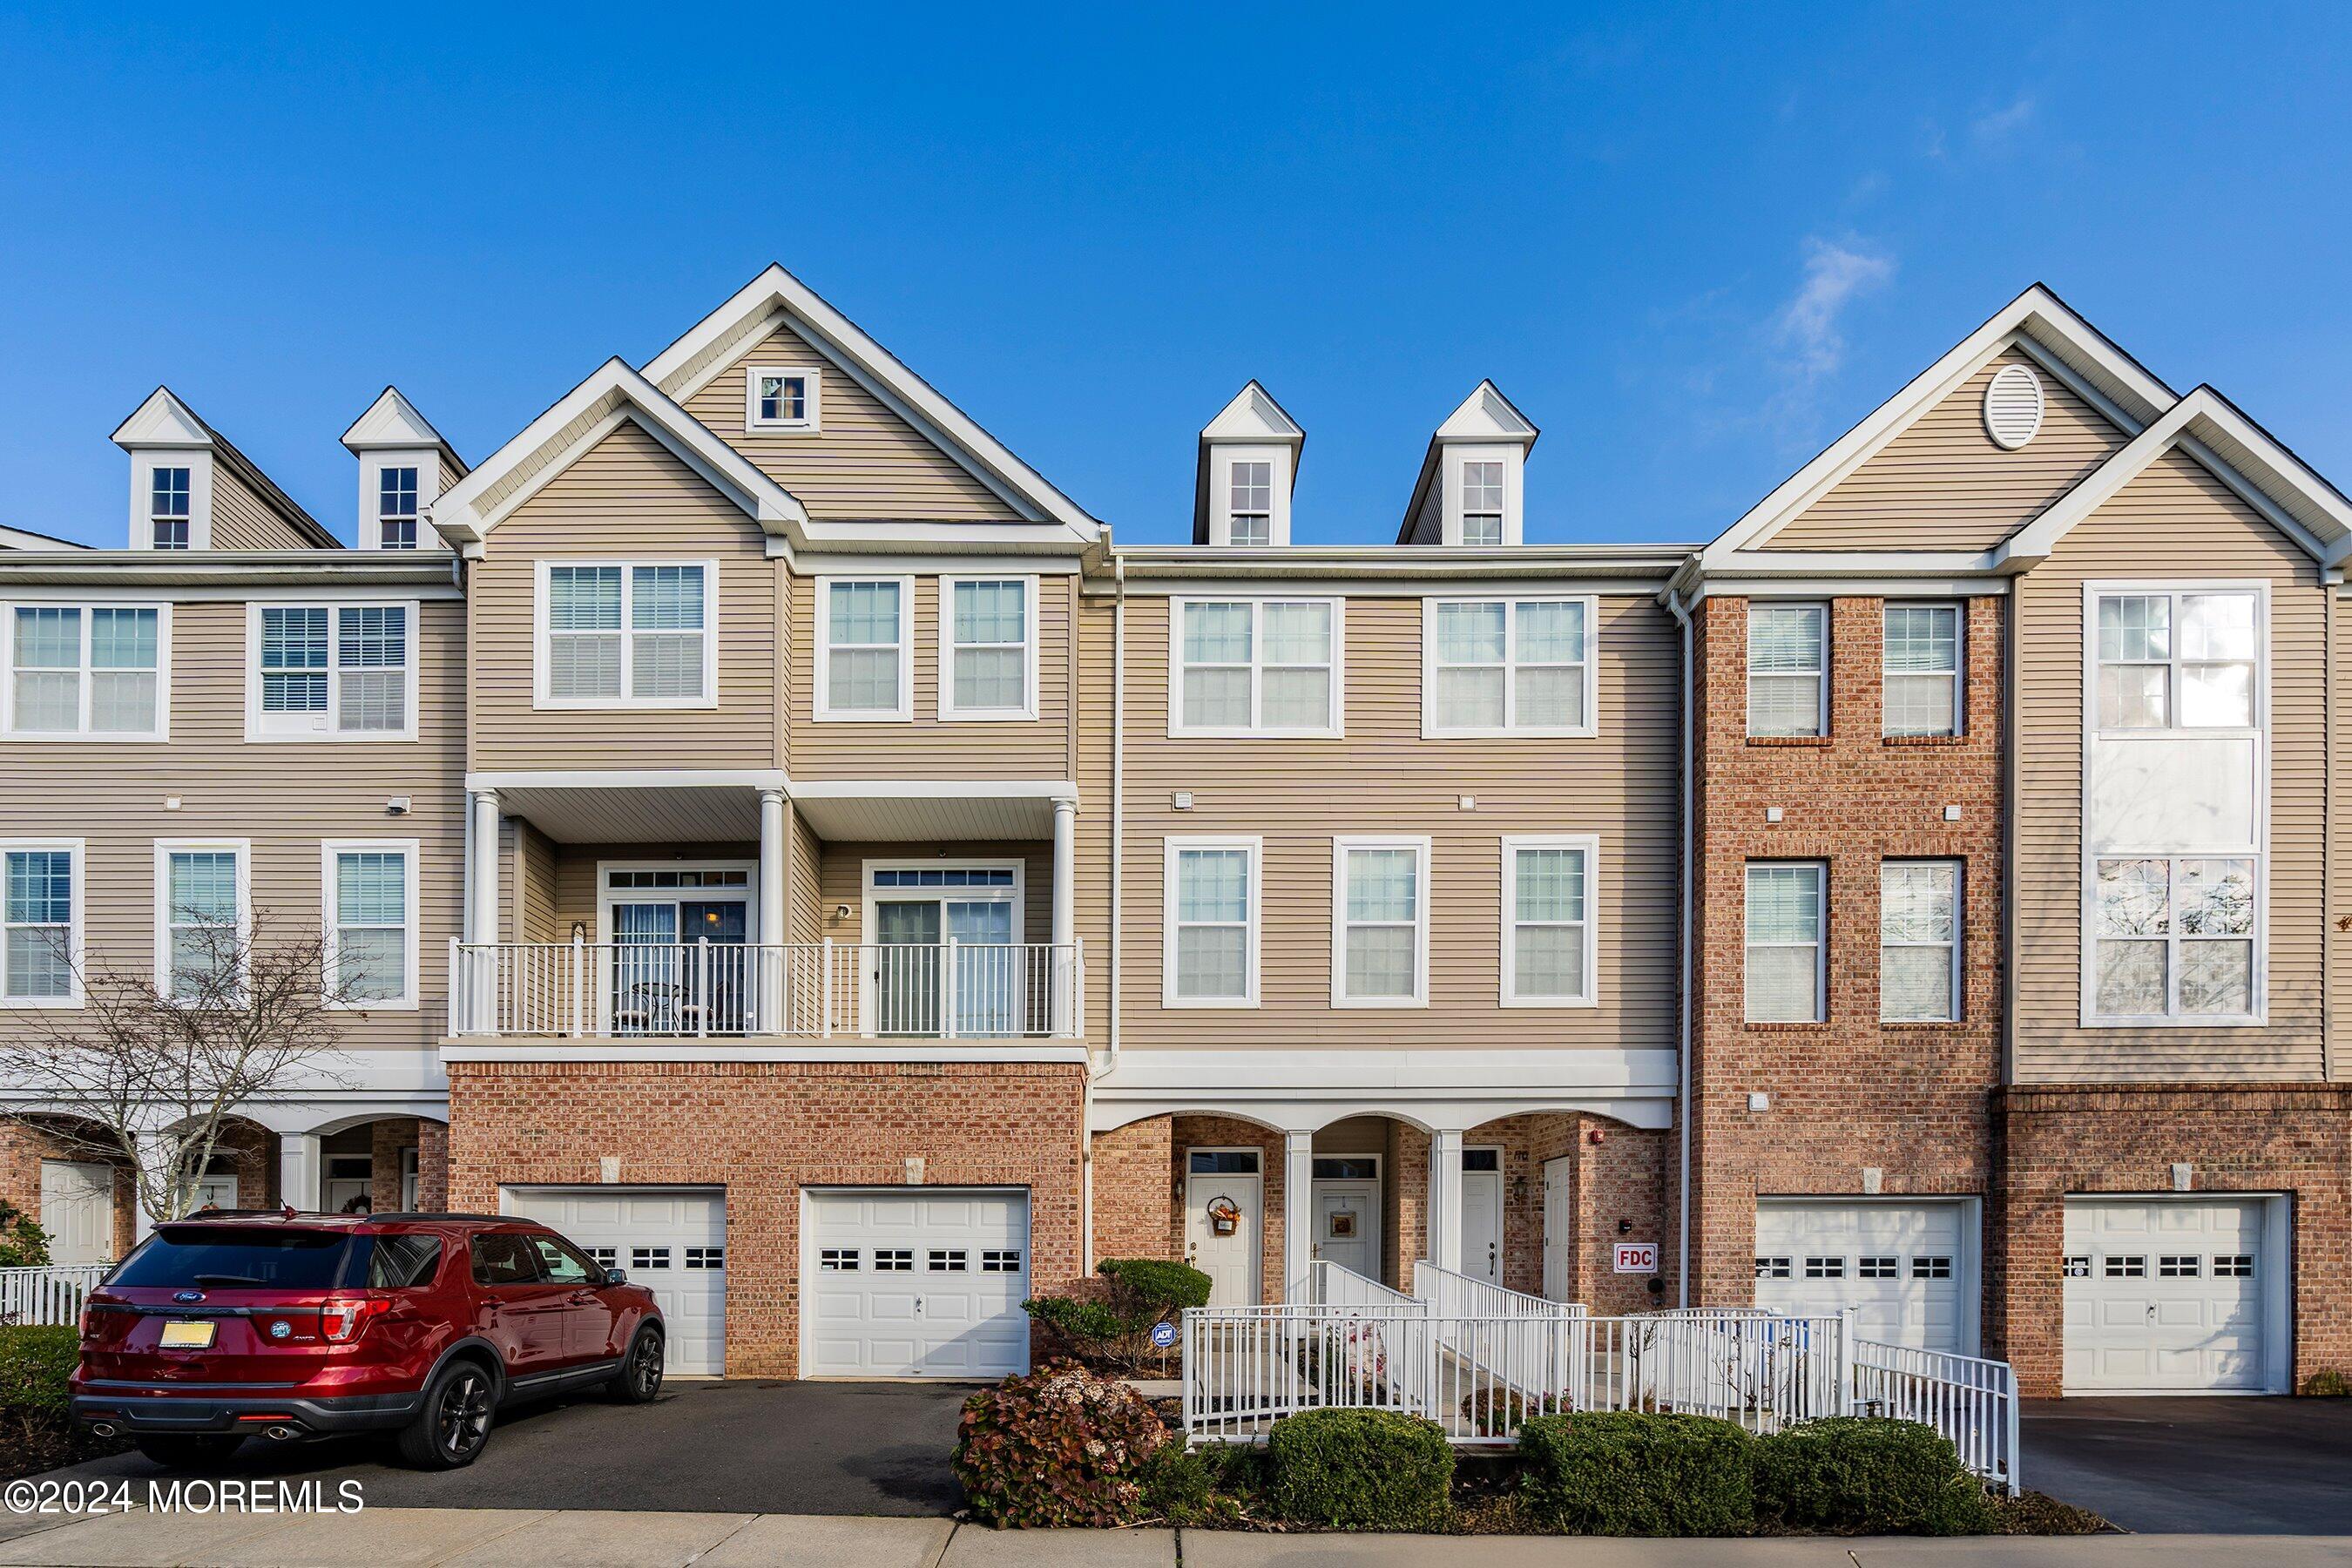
[(781, 398), (200, 917), (944, 877), (2178, 661), (1349, 1167), (666, 877), (865, 668), (1381, 939), (1920, 684), (2175, 936), (332, 671), (988, 646), (1251, 499), (1482, 1159), (1785, 918), (1547, 939), (1222, 1162), (627, 634), (1788, 669), (40, 928), (395, 507), (371, 934), (1255, 667), (1482, 504), (1919, 941), (95, 670), (1211, 924), (168, 513), (1502, 666)]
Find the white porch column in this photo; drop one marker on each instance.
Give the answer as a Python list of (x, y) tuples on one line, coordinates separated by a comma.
[(1298, 1213), (768, 1011), (482, 869), (1445, 1198), (299, 1169), (1065, 927)]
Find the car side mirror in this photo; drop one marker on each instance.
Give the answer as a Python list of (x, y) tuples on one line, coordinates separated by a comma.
[(617, 1277)]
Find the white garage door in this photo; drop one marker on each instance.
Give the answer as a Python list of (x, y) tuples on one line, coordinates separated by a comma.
[(2166, 1294), (671, 1240), (914, 1282), (1907, 1268)]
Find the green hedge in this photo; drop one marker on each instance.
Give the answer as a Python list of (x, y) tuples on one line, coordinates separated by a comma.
[(1863, 1474), (1361, 1469), (1629, 1474), (35, 1431)]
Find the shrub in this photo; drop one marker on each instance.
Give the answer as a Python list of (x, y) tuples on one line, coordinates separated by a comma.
[(1177, 1484), (1497, 1413), (1361, 1469), (35, 1431), (1152, 1287), (1872, 1475), (1628, 1474), (1059, 1446), (1115, 1328), (23, 1243), (2327, 1384)]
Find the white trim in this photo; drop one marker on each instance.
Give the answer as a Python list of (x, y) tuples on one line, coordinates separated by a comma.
[(331, 925), (1822, 677), (743, 1050), (933, 789), (904, 711), (167, 848), (629, 778), (542, 635), (1589, 844), (85, 602), (1252, 928), (1221, 455), (368, 527), (810, 422), (1431, 729), (257, 726), (1254, 730), (1341, 846), (948, 710), (1959, 944), (1820, 944), (1453, 513), (76, 925), (200, 465)]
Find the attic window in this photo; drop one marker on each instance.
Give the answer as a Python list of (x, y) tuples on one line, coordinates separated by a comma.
[(2012, 407), (1482, 504), (1253, 503), (167, 508), (395, 507), (780, 397)]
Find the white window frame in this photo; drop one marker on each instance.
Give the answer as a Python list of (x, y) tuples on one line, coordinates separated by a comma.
[(1432, 730), (2259, 852), (162, 730), (1590, 843), (1173, 846), (1221, 494), (199, 465), (428, 464), (331, 927), (1341, 848), (1821, 944), (1959, 943), (1822, 676), (1452, 512), (1337, 728), (78, 851), (165, 850), (414, 517), (948, 645), (268, 728), (1960, 675), (811, 422), (903, 711), (542, 667)]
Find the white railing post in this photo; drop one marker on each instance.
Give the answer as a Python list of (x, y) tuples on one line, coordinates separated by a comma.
[(461, 1020), (1844, 1394), (948, 990), (1075, 1026), (2011, 1459), (824, 987), (702, 986), (579, 986)]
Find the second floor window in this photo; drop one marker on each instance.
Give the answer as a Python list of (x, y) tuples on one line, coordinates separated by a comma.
[(200, 919), (39, 959), (1248, 667), (1548, 928), (628, 634), (1786, 918), (168, 515), (395, 507), (1788, 669), (371, 934), (864, 667), (1482, 504), (1379, 949), (1210, 923), (1920, 682), (1252, 503), (85, 670), (1507, 666), (988, 648), (332, 671), (2176, 938), (1919, 941)]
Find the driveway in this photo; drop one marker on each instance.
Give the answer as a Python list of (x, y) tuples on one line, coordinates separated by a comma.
[(742, 1446), (2246, 1467)]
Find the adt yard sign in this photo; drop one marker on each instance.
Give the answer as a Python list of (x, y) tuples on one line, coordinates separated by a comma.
[(1163, 1334), (1637, 1257)]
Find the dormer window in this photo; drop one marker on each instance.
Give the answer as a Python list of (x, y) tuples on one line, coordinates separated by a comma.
[(781, 398), (1253, 503), (168, 510), (395, 507), (1482, 487), (1482, 502)]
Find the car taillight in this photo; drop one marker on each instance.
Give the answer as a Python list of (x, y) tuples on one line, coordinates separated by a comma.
[(88, 1321), (344, 1318)]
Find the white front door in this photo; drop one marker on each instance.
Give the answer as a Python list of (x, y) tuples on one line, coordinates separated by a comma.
[(217, 1192), (671, 1240), (77, 1210), (1482, 1221), (1348, 1224), (2168, 1294), (1560, 1230), (914, 1282), (1221, 1236), (1907, 1267)]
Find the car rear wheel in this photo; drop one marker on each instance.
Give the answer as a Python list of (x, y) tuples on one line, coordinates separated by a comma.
[(188, 1453), (640, 1377), (452, 1429)]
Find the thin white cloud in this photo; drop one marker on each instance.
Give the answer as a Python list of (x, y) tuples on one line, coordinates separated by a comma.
[(1997, 128), (1837, 273)]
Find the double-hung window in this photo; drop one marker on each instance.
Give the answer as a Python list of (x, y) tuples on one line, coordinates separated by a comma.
[(1251, 500), (40, 930), (1919, 941), (1506, 667), (1379, 923), (1255, 667), (628, 634), (1788, 669), (169, 509), (988, 646), (203, 916), (1482, 502), (864, 660), (1787, 916), (783, 398), (332, 672), (2175, 936), (395, 507), (95, 670), (1210, 922), (1548, 924), (1920, 680), (370, 922)]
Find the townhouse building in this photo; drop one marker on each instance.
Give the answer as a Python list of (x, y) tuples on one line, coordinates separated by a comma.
[(781, 840)]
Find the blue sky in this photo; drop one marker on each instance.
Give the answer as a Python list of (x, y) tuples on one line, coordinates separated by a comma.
[(1694, 246)]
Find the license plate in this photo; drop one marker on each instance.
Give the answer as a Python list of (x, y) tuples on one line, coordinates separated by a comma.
[(185, 1335)]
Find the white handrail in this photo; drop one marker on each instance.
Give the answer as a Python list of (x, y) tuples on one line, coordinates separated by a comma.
[(1969, 1399), (51, 1294)]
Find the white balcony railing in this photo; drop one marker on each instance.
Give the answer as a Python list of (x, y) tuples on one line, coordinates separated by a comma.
[(822, 989)]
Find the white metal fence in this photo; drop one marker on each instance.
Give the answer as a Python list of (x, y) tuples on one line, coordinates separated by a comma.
[(49, 1295), (1968, 1399), (821, 989)]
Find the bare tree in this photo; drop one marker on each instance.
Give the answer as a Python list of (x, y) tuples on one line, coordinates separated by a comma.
[(148, 1070)]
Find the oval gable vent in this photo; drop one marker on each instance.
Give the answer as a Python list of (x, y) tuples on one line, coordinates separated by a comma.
[(2013, 406)]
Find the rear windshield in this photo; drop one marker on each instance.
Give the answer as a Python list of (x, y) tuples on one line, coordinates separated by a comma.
[(219, 1259)]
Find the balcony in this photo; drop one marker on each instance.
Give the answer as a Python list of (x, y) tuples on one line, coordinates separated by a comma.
[(820, 990)]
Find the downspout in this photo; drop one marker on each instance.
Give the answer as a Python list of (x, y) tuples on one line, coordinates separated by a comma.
[(1118, 795), (2330, 592), (1680, 610)]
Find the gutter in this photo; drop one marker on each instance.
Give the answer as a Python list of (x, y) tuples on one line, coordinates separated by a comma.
[(1679, 608), (225, 568), (1118, 793)]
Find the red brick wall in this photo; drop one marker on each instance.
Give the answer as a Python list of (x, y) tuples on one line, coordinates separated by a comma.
[(1913, 1100), (1139, 1203), (763, 1129)]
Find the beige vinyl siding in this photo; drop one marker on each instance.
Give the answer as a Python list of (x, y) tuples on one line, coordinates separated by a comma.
[(1944, 484), (286, 797), (1384, 778), (927, 748), (865, 461), (803, 918), (243, 520), (2176, 520), (527, 910), (628, 497)]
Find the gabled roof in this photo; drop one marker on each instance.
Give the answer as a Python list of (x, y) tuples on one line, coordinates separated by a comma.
[(166, 423), (26, 539), (614, 395), (1485, 418), (774, 296), (1250, 417), (2038, 321), (392, 424)]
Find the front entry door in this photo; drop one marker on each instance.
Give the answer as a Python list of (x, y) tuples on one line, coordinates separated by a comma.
[(1482, 1226), (77, 1210), (1560, 1231), (1227, 1252), (1348, 1226)]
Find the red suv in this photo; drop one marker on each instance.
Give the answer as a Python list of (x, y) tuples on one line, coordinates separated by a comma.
[(225, 1325)]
